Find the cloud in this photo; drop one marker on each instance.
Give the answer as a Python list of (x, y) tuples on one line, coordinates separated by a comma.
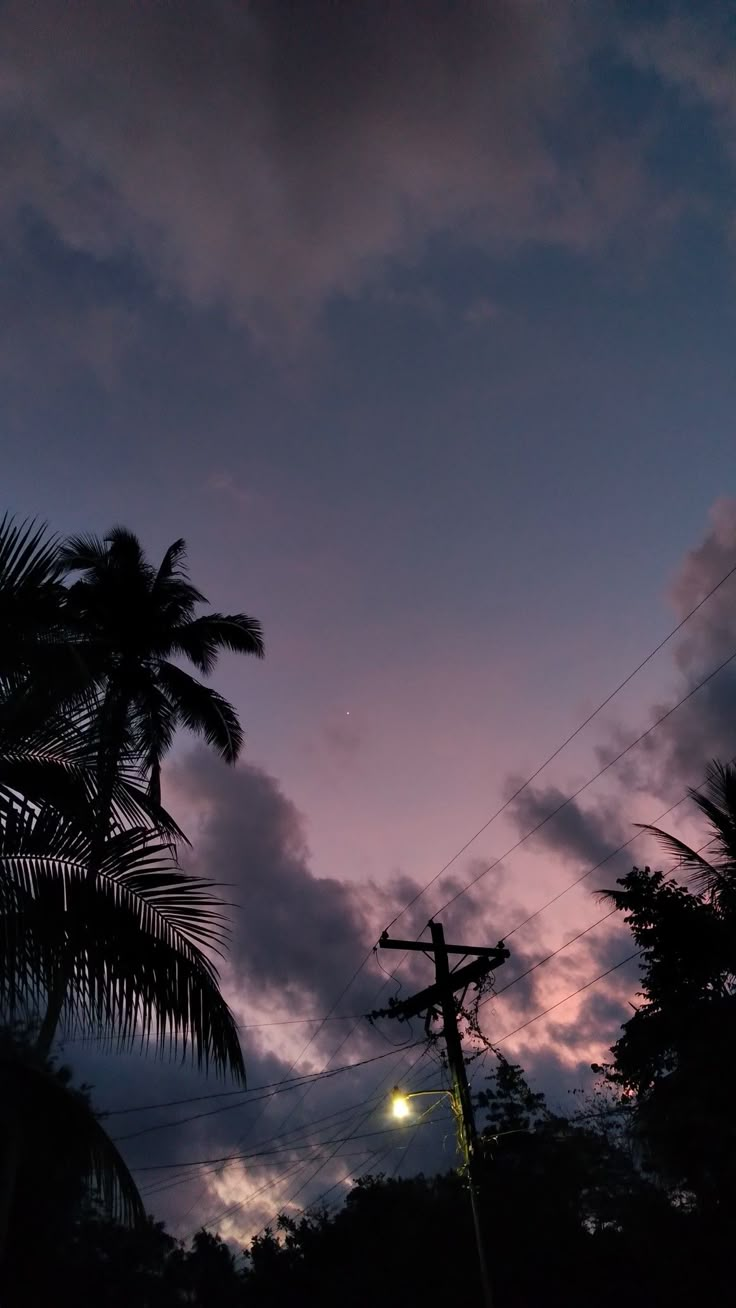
[(297, 939), (267, 158), (694, 54), (674, 756), (583, 835)]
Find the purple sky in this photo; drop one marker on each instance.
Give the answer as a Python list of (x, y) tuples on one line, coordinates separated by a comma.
[(416, 319)]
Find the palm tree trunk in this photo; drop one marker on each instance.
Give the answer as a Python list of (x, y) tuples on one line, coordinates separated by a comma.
[(54, 1008)]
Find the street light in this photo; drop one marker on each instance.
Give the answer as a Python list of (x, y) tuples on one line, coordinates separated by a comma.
[(400, 1105), (401, 1109)]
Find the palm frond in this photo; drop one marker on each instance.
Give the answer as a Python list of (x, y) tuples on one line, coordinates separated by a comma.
[(43, 774), (49, 1107), (29, 558), (202, 710), (717, 803), (202, 639), (173, 564), (30, 596), (703, 874), (129, 946), (84, 553), (153, 724)]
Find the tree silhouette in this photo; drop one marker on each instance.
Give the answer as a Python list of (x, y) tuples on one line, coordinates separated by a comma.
[(98, 917), (676, 1057), (54, 1148), (714, 876), (131, 621), (99, 926)]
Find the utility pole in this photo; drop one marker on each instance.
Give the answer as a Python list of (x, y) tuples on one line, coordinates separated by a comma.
[(442, 995)]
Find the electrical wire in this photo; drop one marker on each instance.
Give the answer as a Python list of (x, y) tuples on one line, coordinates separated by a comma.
[(330, 1015), (474, 881), (560, 1002), (275, 1087), (533, 776), (239, 1026), (264, 1153), (607, 700), (228, 1212), (601, 771)]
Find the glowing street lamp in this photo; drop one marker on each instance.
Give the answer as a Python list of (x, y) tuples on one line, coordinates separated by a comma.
[(400, 1106), (400, 1100)]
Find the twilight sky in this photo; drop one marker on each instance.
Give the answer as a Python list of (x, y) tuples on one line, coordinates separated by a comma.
[(416, 320)]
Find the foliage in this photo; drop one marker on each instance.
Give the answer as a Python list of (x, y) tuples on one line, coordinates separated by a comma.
[(676, 1056), (99, 923), (99, 927), (131, 620)]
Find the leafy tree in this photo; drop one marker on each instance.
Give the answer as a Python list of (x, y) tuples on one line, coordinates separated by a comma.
[(676, 1057), (54, 1153), (677, 1054)]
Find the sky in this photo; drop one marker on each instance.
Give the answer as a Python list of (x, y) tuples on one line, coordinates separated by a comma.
[(416, 321)]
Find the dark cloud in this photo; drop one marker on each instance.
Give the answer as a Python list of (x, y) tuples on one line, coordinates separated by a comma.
[(585, 836), (674, 756), (268, 157), (297, 937)]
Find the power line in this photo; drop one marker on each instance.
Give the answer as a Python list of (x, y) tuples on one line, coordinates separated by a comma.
[(332, 1117), (317, 1121), (265, 1153), (303, 1051), (232, 1208), (548, 817), (330, 1014), (560, 1002), (507, 1036), (239, 1026), (274, 1087), (528, 782), (603, 704), (373, 1156), (601, 863), (537, 1016), (255, 1193), (617, 758), (497, 993)]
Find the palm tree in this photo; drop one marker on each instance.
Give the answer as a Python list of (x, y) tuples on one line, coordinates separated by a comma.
[(125, 954), (50, 1130), (131, 621), (715, 876), (97, 921), (96, 918)]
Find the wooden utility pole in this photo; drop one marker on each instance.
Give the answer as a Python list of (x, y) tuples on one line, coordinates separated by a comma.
[(441, 996)]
